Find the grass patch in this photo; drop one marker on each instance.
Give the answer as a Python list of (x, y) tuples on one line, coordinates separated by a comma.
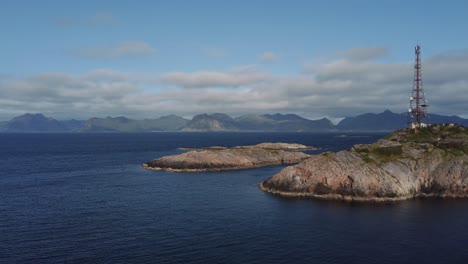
[(387, 154), (366, 158), (388, 151), (458, 153)]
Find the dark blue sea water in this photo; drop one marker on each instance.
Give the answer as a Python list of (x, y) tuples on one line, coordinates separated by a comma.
[(84, 198)]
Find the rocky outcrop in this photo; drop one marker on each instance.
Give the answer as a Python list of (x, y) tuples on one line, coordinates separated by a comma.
[(220, 158), (403, 165)]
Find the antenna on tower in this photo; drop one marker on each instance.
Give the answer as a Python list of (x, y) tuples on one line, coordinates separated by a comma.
[(417, 111)]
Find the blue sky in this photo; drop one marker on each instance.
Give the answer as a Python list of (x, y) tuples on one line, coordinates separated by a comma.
[(150, 58)]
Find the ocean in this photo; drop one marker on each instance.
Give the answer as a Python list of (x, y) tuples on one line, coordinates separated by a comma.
[(85, 198)]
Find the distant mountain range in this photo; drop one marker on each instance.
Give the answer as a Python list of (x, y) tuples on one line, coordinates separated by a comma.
[(385, 121), (389, 121), (39, 123), (276, 122), (123, 124)]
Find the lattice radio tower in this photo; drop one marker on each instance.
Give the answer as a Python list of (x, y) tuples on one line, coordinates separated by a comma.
[(417, 112)]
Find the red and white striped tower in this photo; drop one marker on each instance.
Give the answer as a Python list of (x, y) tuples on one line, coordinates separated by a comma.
[(417, 112)]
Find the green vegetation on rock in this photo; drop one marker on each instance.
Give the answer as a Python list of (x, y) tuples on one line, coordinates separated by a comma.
[(430, 161)]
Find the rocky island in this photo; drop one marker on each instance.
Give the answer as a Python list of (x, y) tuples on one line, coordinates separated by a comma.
[(221, 158), (432, 162)]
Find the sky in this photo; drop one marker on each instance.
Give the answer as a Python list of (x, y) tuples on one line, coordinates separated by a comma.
[(145, 59)]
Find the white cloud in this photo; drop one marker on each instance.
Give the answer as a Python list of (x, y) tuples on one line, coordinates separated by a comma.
[(268, 57), (130, 49), (363, 53), (78, 96), (108, 74), (235, 77), (335, 89)]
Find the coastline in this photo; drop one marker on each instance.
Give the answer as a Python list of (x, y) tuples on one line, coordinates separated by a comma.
[(406, 164), (350, 198), (218, 158), (145, 166)]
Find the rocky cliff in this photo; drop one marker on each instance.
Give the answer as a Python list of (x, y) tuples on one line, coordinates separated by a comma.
[(242, 157), (403, 165)]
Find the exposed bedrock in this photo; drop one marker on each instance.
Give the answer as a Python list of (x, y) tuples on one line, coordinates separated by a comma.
[(220, 158), (405, 164)]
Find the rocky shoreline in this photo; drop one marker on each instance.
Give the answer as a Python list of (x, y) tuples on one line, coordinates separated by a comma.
[(351, 198), (222, 158), (432, 162), (404, 165)]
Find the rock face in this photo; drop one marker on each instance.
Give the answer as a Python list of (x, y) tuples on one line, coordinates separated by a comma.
[(219, 158), (433, 162)]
